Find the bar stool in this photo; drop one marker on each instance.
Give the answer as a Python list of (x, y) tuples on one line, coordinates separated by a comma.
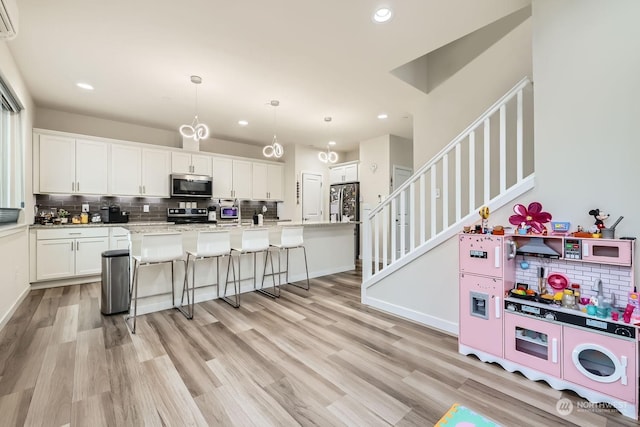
[(210, 244), (291, 238), (156, 248), (255, 241)]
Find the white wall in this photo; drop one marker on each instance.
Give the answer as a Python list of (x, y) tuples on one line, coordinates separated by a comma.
[(374, 183), (457, 102), (427, 289), (14, 247), (400, 152), (94, 126)]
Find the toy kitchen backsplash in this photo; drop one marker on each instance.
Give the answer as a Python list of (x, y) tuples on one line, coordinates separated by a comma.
[(135, 205), (616, 280)]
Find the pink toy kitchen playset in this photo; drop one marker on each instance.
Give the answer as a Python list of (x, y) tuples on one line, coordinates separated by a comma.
[(591, 354)]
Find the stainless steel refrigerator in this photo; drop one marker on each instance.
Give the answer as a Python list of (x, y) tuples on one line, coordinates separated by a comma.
[(344, 202)]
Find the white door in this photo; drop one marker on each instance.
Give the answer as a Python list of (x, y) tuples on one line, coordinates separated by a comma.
[(57, 164), (180, 163), (242, 179), (311, 197), (91, 167), (274, 181), (351, 173), (201, 164), (259, 179), (88, 255), (400, 175), (156, 166), (222, 177), (126, 167), (55, 258)]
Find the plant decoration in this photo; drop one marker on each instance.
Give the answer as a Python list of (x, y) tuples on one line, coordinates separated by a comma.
[(63, 213), (530, 217)]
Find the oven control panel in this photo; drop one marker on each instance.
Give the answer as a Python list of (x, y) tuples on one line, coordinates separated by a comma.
[(573, 249), (567, 317)]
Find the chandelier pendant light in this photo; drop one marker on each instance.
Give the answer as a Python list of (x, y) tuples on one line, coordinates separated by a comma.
[(195, 130), (328, 156), (275, 149)]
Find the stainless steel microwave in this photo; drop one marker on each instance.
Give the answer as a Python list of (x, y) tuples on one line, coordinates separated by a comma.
[(185, 185), (229, 212)]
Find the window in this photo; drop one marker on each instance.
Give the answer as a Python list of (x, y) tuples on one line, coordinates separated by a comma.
[(11, 150)]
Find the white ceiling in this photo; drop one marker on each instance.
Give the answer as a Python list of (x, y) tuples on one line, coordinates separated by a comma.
[(318, 58)]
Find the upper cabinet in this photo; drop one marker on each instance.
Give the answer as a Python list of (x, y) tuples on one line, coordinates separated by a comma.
[(267, 181), (72, 166), (343, 173), (139, 171), (231, 178), (197, 164)]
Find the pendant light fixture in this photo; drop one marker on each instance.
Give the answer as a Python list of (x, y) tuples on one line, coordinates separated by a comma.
[(275, 149), (328, 156), (195, 130)]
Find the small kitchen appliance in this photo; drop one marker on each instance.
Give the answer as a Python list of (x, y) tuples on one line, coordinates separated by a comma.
[(212, 214), (229, 212), (113, 215), (187, 215), (183, 185)]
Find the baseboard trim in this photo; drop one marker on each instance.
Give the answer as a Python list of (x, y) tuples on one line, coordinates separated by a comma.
[(417, 316), (14, 307)]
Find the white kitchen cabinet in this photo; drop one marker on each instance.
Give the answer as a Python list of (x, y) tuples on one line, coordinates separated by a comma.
[(72, 166), (118, 238), (267, 181), (197, 164), (70, 252), (232, 178), (139, 171), (343, 173)]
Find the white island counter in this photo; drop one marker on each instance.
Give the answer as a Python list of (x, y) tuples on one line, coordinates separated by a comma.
[(330, 249)]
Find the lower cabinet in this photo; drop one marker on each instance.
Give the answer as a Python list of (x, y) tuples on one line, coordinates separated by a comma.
[(62, 253), (118, 238), (533, 343)]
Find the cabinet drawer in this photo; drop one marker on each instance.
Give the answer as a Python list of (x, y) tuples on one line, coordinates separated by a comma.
[(72, 233)]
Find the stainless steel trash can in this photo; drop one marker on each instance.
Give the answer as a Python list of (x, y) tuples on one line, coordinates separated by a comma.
[(115, 281)]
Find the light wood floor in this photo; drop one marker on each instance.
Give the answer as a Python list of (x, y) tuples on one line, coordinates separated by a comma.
[(309, 358)]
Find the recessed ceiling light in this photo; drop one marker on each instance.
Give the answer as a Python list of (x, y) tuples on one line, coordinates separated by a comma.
[(85, 86), (382, 116), (382, 15), (243, 122), (332, 143)]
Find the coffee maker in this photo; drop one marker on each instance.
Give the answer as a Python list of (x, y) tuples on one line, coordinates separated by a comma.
[(212, 214), (113, 214)]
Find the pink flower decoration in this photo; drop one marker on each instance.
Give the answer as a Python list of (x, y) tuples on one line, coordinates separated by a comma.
[(531, 216)]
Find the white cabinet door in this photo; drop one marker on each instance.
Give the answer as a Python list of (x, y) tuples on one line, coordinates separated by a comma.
[(156, 167), (242, 179), (126, 170), (57, 164), (260, 182), (336, 175), (89, 255), (180, 162), (222, 178), (274, 182), (351, 172), (91, 167), (118, 238), (55, 258), (201, 164)]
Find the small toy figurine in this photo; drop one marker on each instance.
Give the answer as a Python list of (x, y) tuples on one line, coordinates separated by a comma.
[(599, 216)]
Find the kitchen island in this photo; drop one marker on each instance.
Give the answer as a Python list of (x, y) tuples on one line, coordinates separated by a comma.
[(329, 246)]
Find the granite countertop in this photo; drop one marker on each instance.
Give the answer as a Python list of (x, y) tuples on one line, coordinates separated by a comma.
[(160, 226)]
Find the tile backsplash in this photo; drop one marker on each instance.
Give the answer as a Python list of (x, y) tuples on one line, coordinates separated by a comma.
[(134, 205), (616, 280)]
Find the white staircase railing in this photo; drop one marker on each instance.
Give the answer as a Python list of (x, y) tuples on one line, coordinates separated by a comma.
[(480, 167)]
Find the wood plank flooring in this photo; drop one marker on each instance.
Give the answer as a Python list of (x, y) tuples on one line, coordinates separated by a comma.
[(316, 358)]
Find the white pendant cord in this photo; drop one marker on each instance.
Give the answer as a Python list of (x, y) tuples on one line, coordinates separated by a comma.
[(275, 149)]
